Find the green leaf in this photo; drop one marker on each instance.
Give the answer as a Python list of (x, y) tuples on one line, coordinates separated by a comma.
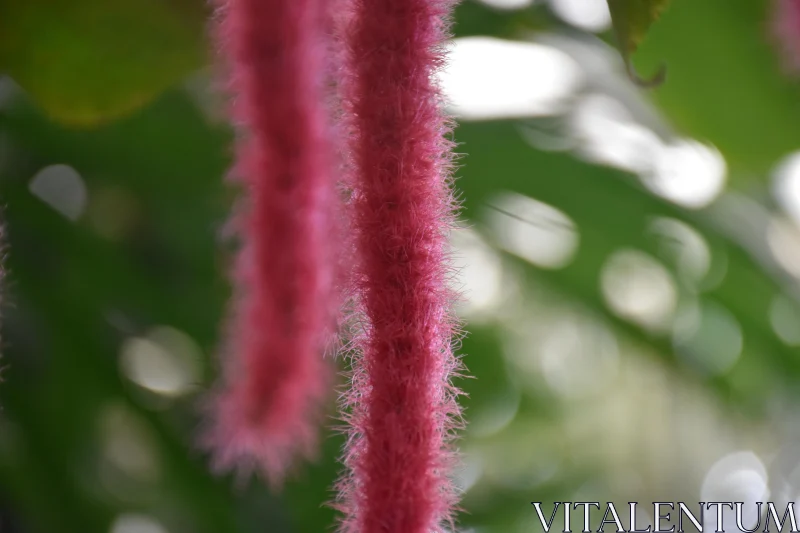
[(86, 62), (611, 213), (631, 20), (726, 83)]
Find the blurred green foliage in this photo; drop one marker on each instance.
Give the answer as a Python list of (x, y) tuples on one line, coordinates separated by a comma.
[(724, 84), (631, 20), (92, 61)]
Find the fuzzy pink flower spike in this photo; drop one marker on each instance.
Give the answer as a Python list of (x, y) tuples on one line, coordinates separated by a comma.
[(274, 373), (402, 405), (785, 27)]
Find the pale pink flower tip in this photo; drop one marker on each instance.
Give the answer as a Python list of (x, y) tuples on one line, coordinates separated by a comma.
[(785, 29)]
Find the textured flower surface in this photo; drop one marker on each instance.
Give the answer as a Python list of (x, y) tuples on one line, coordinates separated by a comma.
[(274, 374), (402, 407)]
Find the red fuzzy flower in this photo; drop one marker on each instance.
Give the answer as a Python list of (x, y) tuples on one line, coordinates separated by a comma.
[(401, 406), (275, 375)]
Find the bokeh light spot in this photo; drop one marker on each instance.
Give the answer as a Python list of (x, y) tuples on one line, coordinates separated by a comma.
[(479, 274), (166, 361), (487, 78), (784, 316), (737, 477), (786, 185), (684, 246), (507, 4), (62, 188), (638, 288), (588, 15), (708, 337), (688, 173), (137, 523), (533, 230)]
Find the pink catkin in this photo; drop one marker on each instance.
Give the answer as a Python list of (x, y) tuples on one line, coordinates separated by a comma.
[(785, 29), (402, 407), (274, 374)]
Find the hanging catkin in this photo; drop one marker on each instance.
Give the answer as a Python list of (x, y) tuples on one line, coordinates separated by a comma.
[(274, 373), (401, 406)]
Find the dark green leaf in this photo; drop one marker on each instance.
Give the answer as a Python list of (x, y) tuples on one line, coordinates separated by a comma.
[(88, 61), (726, 84), (632, 19)]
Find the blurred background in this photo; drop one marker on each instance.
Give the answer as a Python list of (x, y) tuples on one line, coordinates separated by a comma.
[(630, 261)]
